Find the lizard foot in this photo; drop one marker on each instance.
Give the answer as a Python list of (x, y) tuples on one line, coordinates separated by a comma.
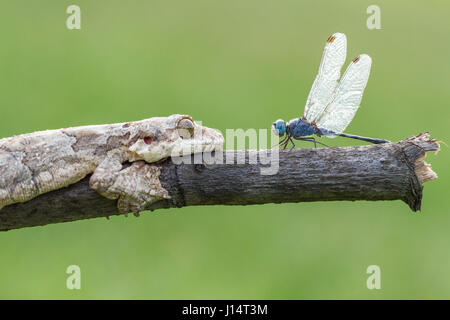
[(136, 187)]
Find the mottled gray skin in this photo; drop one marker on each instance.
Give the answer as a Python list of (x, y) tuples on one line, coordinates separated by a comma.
[(40, 162)]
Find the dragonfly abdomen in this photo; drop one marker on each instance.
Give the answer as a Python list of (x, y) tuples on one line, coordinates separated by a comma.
[(330, 133), (371, 140)]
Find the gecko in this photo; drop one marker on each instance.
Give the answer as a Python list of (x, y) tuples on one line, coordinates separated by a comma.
[(36, 163)]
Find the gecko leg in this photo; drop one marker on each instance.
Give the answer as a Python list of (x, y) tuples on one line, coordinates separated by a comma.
[(134, 187), (106, 174), (137, 187)]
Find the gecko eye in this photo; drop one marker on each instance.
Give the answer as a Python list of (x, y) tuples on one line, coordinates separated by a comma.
[(148, 140), (185, 128)]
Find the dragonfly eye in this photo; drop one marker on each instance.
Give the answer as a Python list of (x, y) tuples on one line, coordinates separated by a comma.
[(185, 128), (275, 130), (279, 127)]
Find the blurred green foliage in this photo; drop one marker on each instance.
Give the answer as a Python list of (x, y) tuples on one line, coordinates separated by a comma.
[(231, 64)]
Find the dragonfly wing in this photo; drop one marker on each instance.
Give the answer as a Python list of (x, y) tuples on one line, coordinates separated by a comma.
[(326, 81), (346, 100)]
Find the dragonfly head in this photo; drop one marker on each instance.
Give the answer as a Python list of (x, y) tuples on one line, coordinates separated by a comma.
[(279, 127)]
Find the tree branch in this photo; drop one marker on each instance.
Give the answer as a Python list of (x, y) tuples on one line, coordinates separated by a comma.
[(393, 171)]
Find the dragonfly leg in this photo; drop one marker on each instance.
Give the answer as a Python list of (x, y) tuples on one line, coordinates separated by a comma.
[(309, 140), (293, 144), (282, 140), (286, 142), (313, 140), (323, 144)]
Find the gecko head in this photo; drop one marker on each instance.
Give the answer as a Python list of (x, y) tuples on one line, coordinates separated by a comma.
[(279, 127), (176, 135)]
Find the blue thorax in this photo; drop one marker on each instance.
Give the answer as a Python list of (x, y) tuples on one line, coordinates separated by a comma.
[(297, 128)]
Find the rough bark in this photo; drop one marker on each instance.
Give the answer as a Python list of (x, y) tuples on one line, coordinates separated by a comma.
[(393, 171)]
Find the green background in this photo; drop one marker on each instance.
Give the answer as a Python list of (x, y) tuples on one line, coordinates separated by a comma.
[(231, 64)]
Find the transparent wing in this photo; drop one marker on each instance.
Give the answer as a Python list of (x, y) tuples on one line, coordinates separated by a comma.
[(347, 98), (329, 73)]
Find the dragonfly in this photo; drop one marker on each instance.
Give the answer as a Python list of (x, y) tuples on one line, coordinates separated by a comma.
[(331, 105)]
